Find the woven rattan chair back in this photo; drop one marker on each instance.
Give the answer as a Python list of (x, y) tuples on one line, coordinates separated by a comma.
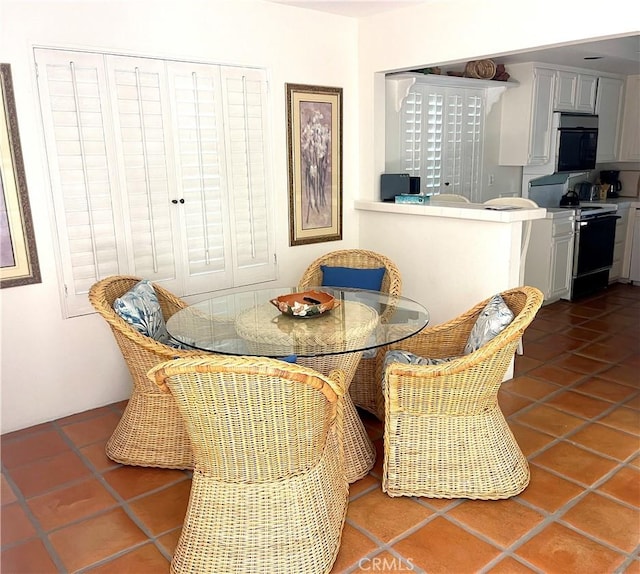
[(151, 431), (445, 435), (269, 491), (364, 389)]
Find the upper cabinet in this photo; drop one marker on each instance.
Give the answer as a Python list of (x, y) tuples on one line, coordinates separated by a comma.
[(609, 111), (527, 112), (526, 137), (630, 137), (575, 92)]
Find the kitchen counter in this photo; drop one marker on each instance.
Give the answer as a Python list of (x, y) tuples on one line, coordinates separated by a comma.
[(470, 211)]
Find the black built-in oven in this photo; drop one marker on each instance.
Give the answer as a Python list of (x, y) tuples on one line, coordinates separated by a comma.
[(577, 142), (593, 252)]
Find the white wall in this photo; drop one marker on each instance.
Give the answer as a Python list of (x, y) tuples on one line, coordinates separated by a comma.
[(52, 367)]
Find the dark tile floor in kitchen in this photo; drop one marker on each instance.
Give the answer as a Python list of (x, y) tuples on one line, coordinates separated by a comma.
[(574, 406)]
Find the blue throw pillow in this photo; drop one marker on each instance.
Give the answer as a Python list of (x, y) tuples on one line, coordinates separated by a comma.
[(289, 359), (141, 309), (370, 279)]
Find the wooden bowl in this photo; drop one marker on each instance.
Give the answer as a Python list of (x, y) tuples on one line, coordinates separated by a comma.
[(305, 305)]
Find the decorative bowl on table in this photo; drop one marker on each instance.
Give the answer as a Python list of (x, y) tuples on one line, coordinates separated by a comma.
[(306, 304)]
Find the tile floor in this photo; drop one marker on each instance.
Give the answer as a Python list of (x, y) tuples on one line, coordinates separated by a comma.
[(574, 406)]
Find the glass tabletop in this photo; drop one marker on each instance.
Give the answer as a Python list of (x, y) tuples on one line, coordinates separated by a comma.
[(248, 323)]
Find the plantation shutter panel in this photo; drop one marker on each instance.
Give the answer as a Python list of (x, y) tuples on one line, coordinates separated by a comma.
[(442, 134), (141, 116), (465, 113), (246, 128), (433, 128), (199, 133), (79, 141), (411, 137), (159, 169)]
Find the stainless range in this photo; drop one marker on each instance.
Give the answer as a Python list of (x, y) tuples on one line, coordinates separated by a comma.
[(594, 241)]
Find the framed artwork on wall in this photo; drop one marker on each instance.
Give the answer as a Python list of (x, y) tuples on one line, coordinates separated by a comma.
[(18, 255), (314, 140)]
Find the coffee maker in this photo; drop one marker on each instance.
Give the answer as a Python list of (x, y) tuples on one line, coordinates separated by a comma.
[(611, 178)]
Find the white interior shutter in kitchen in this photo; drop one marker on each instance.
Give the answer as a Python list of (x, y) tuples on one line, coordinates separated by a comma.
[(463, 149), (441, 138), (248, 177), (142, 123), (79, 141), (411, 133)]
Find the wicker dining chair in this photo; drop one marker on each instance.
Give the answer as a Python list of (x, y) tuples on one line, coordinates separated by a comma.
[(445, 435), (365, 389), (269, 490), (151, 431)]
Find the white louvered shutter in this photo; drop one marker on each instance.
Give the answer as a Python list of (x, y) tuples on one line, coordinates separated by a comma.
[(463, 149), (159, 169), (442, 138), (199, 146), (79, 141), (140, 111), (248, 177)]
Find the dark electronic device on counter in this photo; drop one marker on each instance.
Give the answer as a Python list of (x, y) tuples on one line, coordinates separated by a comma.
[(612, 178), (392, 184), (577, 142)]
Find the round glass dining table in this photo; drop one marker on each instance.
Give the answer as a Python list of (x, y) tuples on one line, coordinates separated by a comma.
[(249, 323)]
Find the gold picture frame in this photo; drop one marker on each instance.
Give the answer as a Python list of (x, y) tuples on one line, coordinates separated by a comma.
[(18, 254), (314, 140)]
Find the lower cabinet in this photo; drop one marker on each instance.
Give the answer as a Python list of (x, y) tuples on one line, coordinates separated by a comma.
[(617, 271), (550, 256)]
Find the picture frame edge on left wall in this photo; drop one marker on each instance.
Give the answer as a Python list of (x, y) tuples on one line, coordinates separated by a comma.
[(303, 100), (16, 222)]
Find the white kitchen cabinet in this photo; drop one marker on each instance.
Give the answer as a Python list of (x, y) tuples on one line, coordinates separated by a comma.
[(609, 111), (575, 92), (550, 256), (616, 272), (527, 111), (630, 137)]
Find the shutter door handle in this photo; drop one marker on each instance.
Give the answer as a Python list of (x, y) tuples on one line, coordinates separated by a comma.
[(174, 201)]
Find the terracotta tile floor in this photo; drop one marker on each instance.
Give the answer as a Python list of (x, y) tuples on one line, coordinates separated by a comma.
[(574, 407)]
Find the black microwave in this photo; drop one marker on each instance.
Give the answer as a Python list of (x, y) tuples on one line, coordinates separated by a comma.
[(577, 142)]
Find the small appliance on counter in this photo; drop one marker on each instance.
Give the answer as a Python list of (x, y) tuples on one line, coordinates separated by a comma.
[(587, 191), (570, 199), (393, 184), (612, 179)]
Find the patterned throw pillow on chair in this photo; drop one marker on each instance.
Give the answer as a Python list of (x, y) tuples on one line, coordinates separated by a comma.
[(140, 308), (407, 358), (492, 320)]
